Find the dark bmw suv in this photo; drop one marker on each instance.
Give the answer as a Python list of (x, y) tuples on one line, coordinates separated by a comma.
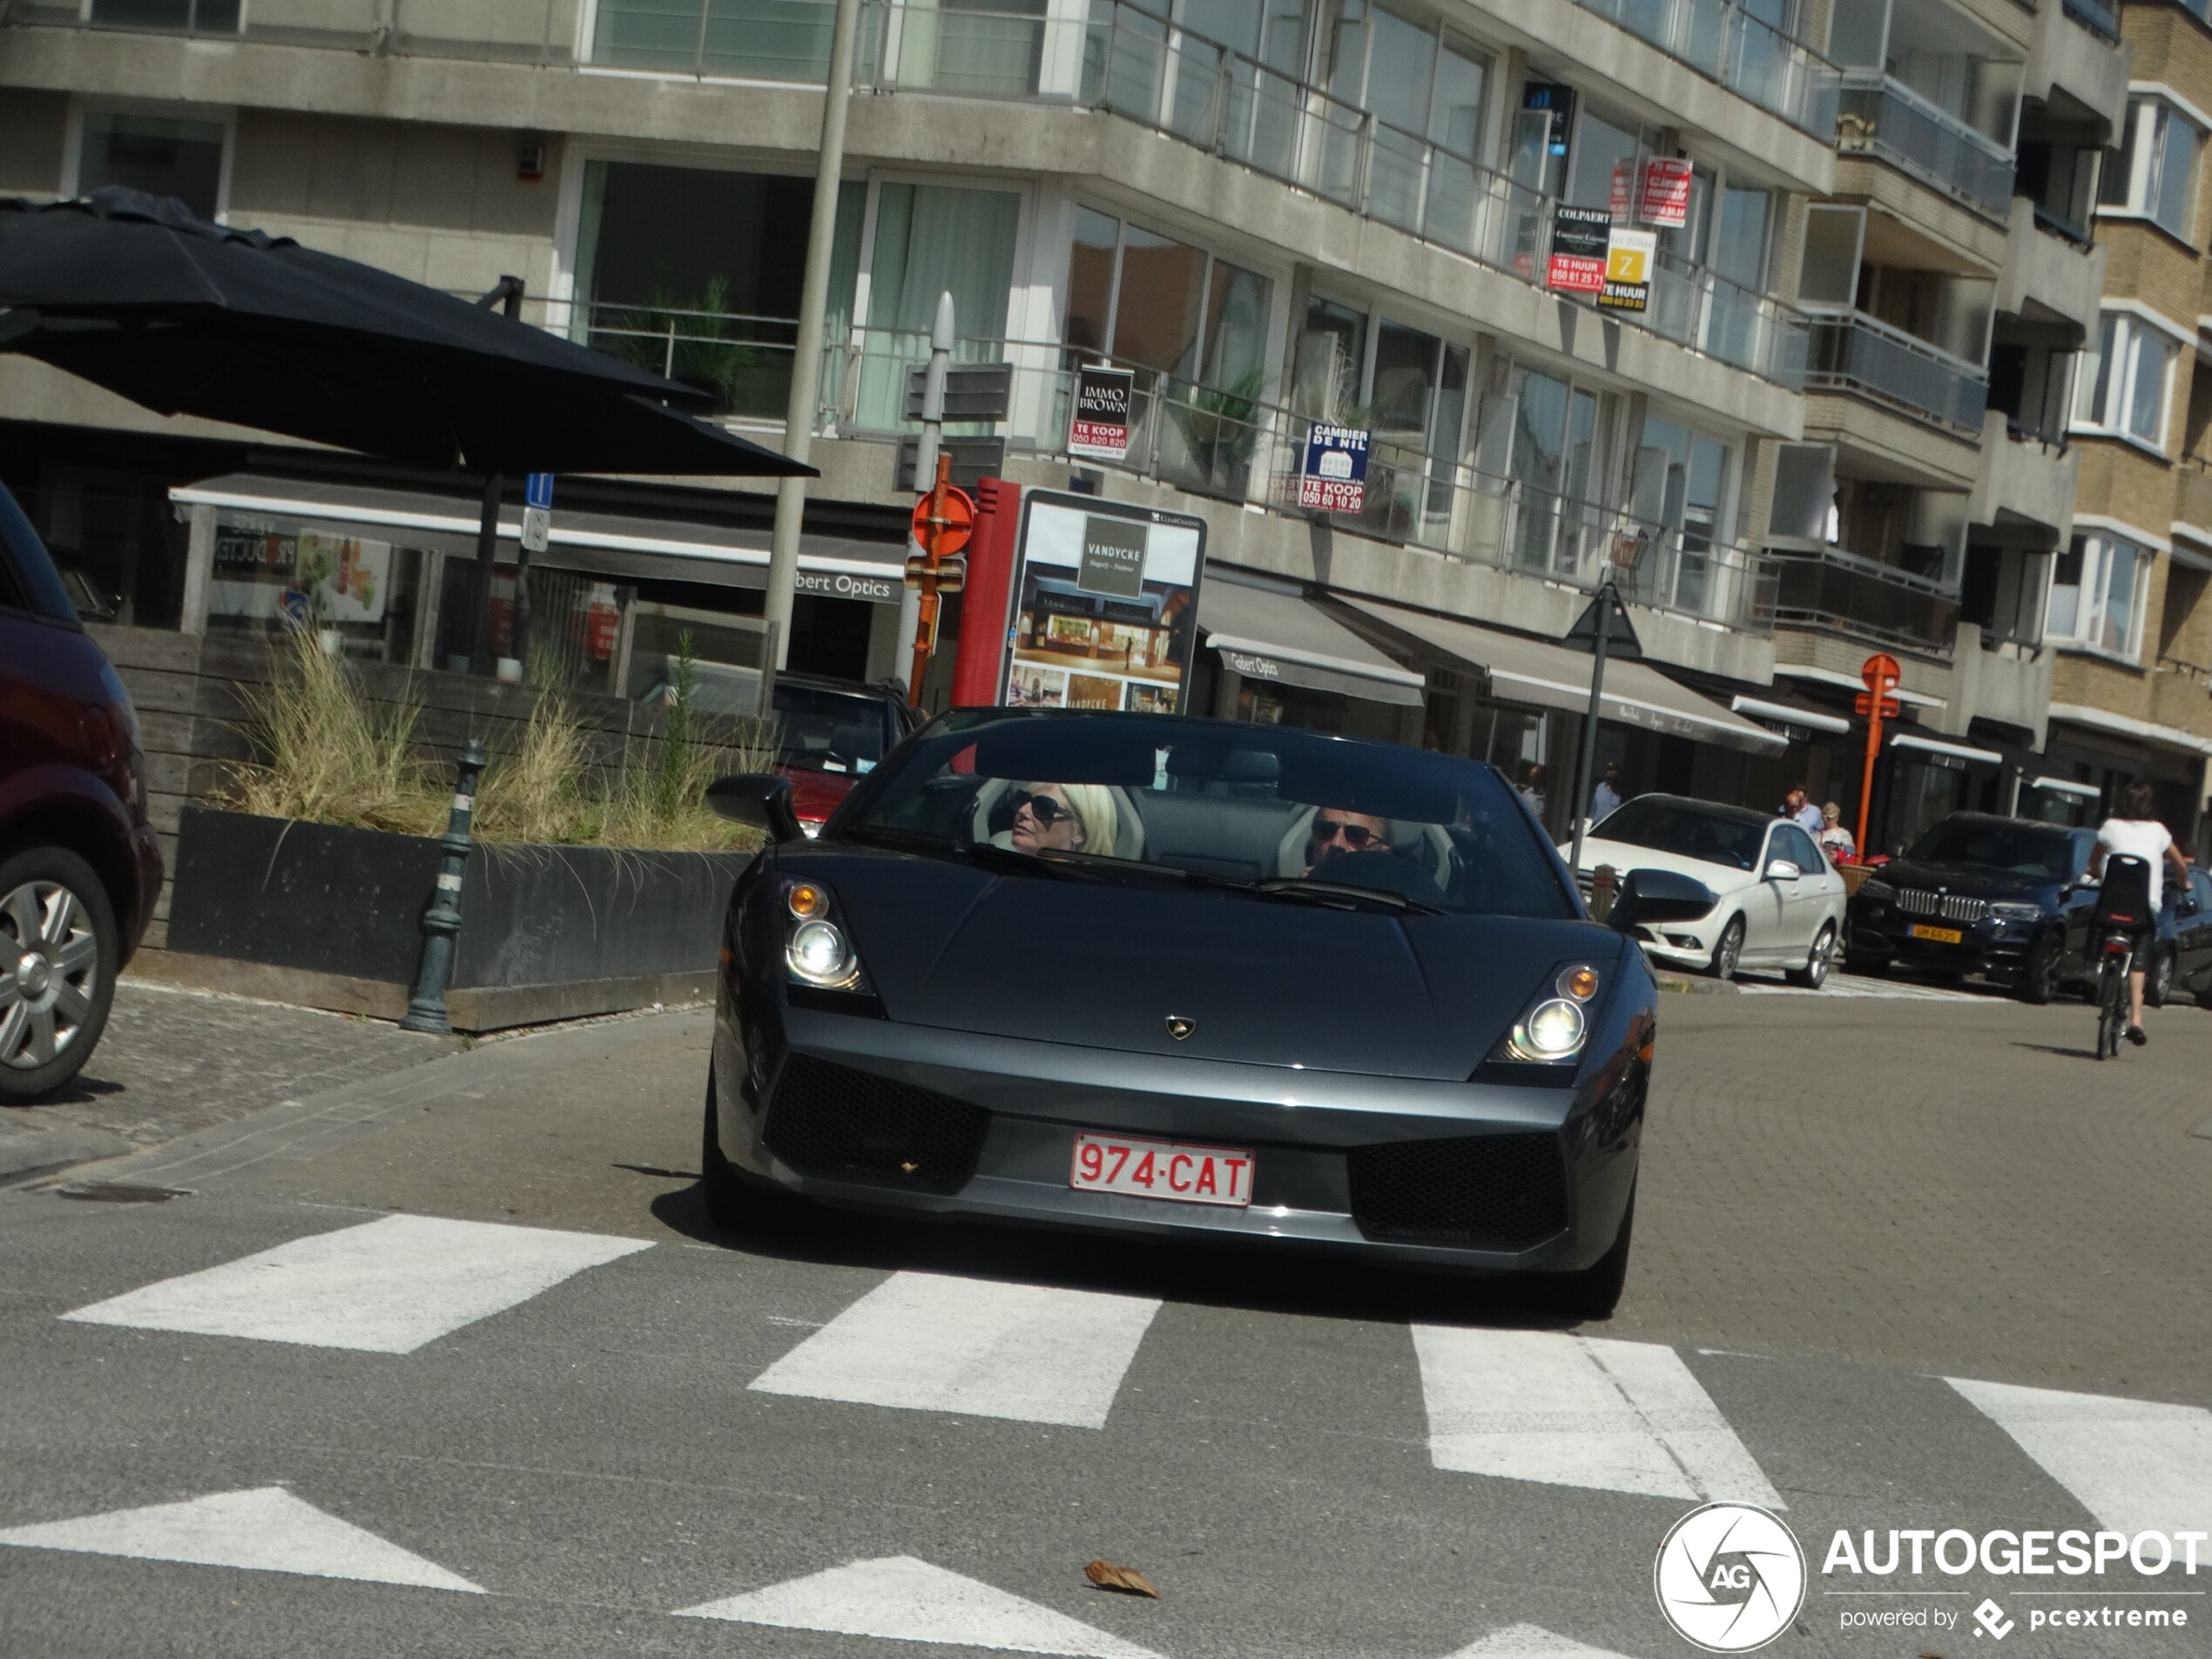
[(1979, 894), (79, 867)]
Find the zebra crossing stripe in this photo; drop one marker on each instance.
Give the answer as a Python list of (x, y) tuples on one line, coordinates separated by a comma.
[(1531, 1641), (386, 1286), (1580, 1412), (2136, 1464), (265, 1529), (934, 1343), (900, 1599)]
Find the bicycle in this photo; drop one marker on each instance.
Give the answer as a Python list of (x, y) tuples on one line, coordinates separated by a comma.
[(2116, 929), (2115, 956)]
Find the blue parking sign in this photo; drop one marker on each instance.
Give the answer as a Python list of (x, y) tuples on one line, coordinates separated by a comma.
[(1334, 477), (537, 490)]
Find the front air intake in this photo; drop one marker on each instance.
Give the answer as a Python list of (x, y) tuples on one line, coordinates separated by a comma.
[(846, 1125), (1489, 1191)]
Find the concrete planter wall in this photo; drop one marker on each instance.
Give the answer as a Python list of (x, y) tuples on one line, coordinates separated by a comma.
[(332, 917)]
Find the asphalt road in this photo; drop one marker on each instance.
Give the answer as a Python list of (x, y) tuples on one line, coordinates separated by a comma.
[(449, 1361)]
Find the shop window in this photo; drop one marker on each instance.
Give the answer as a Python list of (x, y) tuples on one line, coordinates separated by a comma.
[(362, 598), (197, 17), (2097, 592), (695, 272), (2125, 386), (155, 153)]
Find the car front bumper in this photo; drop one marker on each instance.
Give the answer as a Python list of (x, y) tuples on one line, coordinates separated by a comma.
[(1994, 948), (1305, 1130)]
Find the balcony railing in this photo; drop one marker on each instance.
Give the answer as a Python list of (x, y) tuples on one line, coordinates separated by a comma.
[(1231, 444), (2097, 17), (1120, 57), (1864, 598), (1853, 352), (2193, 496), (1750, 58), (1880, 116)]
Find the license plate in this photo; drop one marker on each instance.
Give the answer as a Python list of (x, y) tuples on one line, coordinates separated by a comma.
[(1219, 1175), (1940, 935)]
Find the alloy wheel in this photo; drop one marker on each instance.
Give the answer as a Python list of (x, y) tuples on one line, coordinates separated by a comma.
[(2158, 984), (1730, 951), (50, 967), (1823, 953)]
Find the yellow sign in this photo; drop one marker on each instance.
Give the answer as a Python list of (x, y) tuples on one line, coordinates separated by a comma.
[(1628, 256)]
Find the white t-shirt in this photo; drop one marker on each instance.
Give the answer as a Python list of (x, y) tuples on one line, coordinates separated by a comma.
[(2140, 838)]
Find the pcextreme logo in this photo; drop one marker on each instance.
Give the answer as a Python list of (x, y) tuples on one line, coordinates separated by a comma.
[(1729, 1577)]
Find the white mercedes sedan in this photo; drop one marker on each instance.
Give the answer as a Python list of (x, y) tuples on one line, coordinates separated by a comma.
[(1781, 902)]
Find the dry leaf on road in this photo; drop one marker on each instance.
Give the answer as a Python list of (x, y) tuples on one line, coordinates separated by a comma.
[(1108, 1576)]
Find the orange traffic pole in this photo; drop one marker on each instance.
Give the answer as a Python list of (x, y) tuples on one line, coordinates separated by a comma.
[(1866, 779), (926, 625)]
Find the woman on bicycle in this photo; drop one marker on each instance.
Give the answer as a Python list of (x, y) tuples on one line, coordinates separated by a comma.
[(2132, 831)]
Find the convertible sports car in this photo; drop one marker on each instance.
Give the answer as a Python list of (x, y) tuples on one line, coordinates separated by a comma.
[(1158, 975)]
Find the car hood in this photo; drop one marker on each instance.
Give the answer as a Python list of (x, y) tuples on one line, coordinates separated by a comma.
[(1624, 856), (1275, 982), (1973, 881)]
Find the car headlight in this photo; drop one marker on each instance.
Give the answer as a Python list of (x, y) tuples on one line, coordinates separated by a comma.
[(1872, 889), (1553, 1030), (817, 950), (2016, 912)]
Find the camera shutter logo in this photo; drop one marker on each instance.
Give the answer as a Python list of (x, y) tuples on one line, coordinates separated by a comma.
[(1729, 1577)]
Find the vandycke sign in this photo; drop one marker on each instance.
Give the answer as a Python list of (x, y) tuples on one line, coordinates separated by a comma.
[(1104, 612), (1579, 236), (1098, 425)]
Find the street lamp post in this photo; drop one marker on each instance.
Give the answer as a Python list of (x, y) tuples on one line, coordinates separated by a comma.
[(807, 356)]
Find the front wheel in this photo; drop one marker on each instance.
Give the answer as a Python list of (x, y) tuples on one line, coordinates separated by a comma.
[(2112, 1010), (58, 951), (1729, 952), (2039, 974), (1814, 973), (2158, 983), (1593, 1291)]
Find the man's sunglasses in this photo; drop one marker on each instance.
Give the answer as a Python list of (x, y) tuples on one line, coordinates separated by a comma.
[(1358, 836), (1046, 811)]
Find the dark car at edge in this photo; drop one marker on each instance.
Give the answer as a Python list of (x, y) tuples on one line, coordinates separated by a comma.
[(1979, 894), (1413, 1045), (79, 867)]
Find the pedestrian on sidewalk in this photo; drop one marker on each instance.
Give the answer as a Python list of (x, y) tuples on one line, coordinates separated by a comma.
[(1606, 798), (1531, 790), (1800, 811), (1836, 840)]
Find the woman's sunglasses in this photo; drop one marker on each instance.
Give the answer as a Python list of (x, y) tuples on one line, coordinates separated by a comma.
[(1046, 811)]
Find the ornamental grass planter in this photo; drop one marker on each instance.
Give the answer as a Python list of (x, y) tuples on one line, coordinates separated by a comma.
[(332, 917)]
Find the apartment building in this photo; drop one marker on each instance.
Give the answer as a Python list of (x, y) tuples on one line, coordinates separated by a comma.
[(1837, 424), (2131, 696)]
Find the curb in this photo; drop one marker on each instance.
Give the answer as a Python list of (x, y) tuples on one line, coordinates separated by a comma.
[(36, 1149), (1682, 986)]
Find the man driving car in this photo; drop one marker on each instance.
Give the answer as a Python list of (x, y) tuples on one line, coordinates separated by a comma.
[(1338, 830)]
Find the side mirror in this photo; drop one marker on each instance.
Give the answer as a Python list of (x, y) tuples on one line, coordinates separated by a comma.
[(759, 798), (1781, 870), (1648, 897)]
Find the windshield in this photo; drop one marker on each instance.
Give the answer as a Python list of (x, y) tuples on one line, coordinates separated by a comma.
[(830, 730), (1688, 830), (2020, 849), (1139, 797)]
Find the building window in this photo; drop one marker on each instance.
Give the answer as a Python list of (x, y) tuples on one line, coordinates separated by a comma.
[(200, 17), (2125, 386), (2097, 593), (157, 154), (2155, 172), (1409, 389)]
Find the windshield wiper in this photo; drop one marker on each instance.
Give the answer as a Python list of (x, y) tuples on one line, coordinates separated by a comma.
[(1305, 886), (982, 852)]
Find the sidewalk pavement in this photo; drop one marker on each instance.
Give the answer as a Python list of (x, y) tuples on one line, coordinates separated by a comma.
[(173, 1061)]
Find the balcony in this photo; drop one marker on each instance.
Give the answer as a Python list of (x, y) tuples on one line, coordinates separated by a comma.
[(1865, 599), (2053, 270), (1750, 58), (2193, 498), (1876, 115), (527, 31), (1852, 352), (2026, 487)]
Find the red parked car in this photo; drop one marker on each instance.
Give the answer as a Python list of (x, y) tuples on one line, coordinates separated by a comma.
[(79, 867)]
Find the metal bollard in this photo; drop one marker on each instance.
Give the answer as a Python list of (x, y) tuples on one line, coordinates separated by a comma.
[(426, 1009)]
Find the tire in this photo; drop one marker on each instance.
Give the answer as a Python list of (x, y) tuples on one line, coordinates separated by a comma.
[(1814, 973), (1727, 955), (2112, 1013), (2158, 983), (1593, 1291), (55, 916), (724, 1193), (2039, 972)]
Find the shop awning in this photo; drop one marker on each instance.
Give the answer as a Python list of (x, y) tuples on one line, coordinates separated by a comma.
[(617, 546), (1966, 752), (2126, 725), (1535, 671), (1851, 683), (1275, 634), (1789, 714)]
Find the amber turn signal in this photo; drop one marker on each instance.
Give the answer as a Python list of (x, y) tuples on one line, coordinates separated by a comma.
[(1580, 983), (805, 900)]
